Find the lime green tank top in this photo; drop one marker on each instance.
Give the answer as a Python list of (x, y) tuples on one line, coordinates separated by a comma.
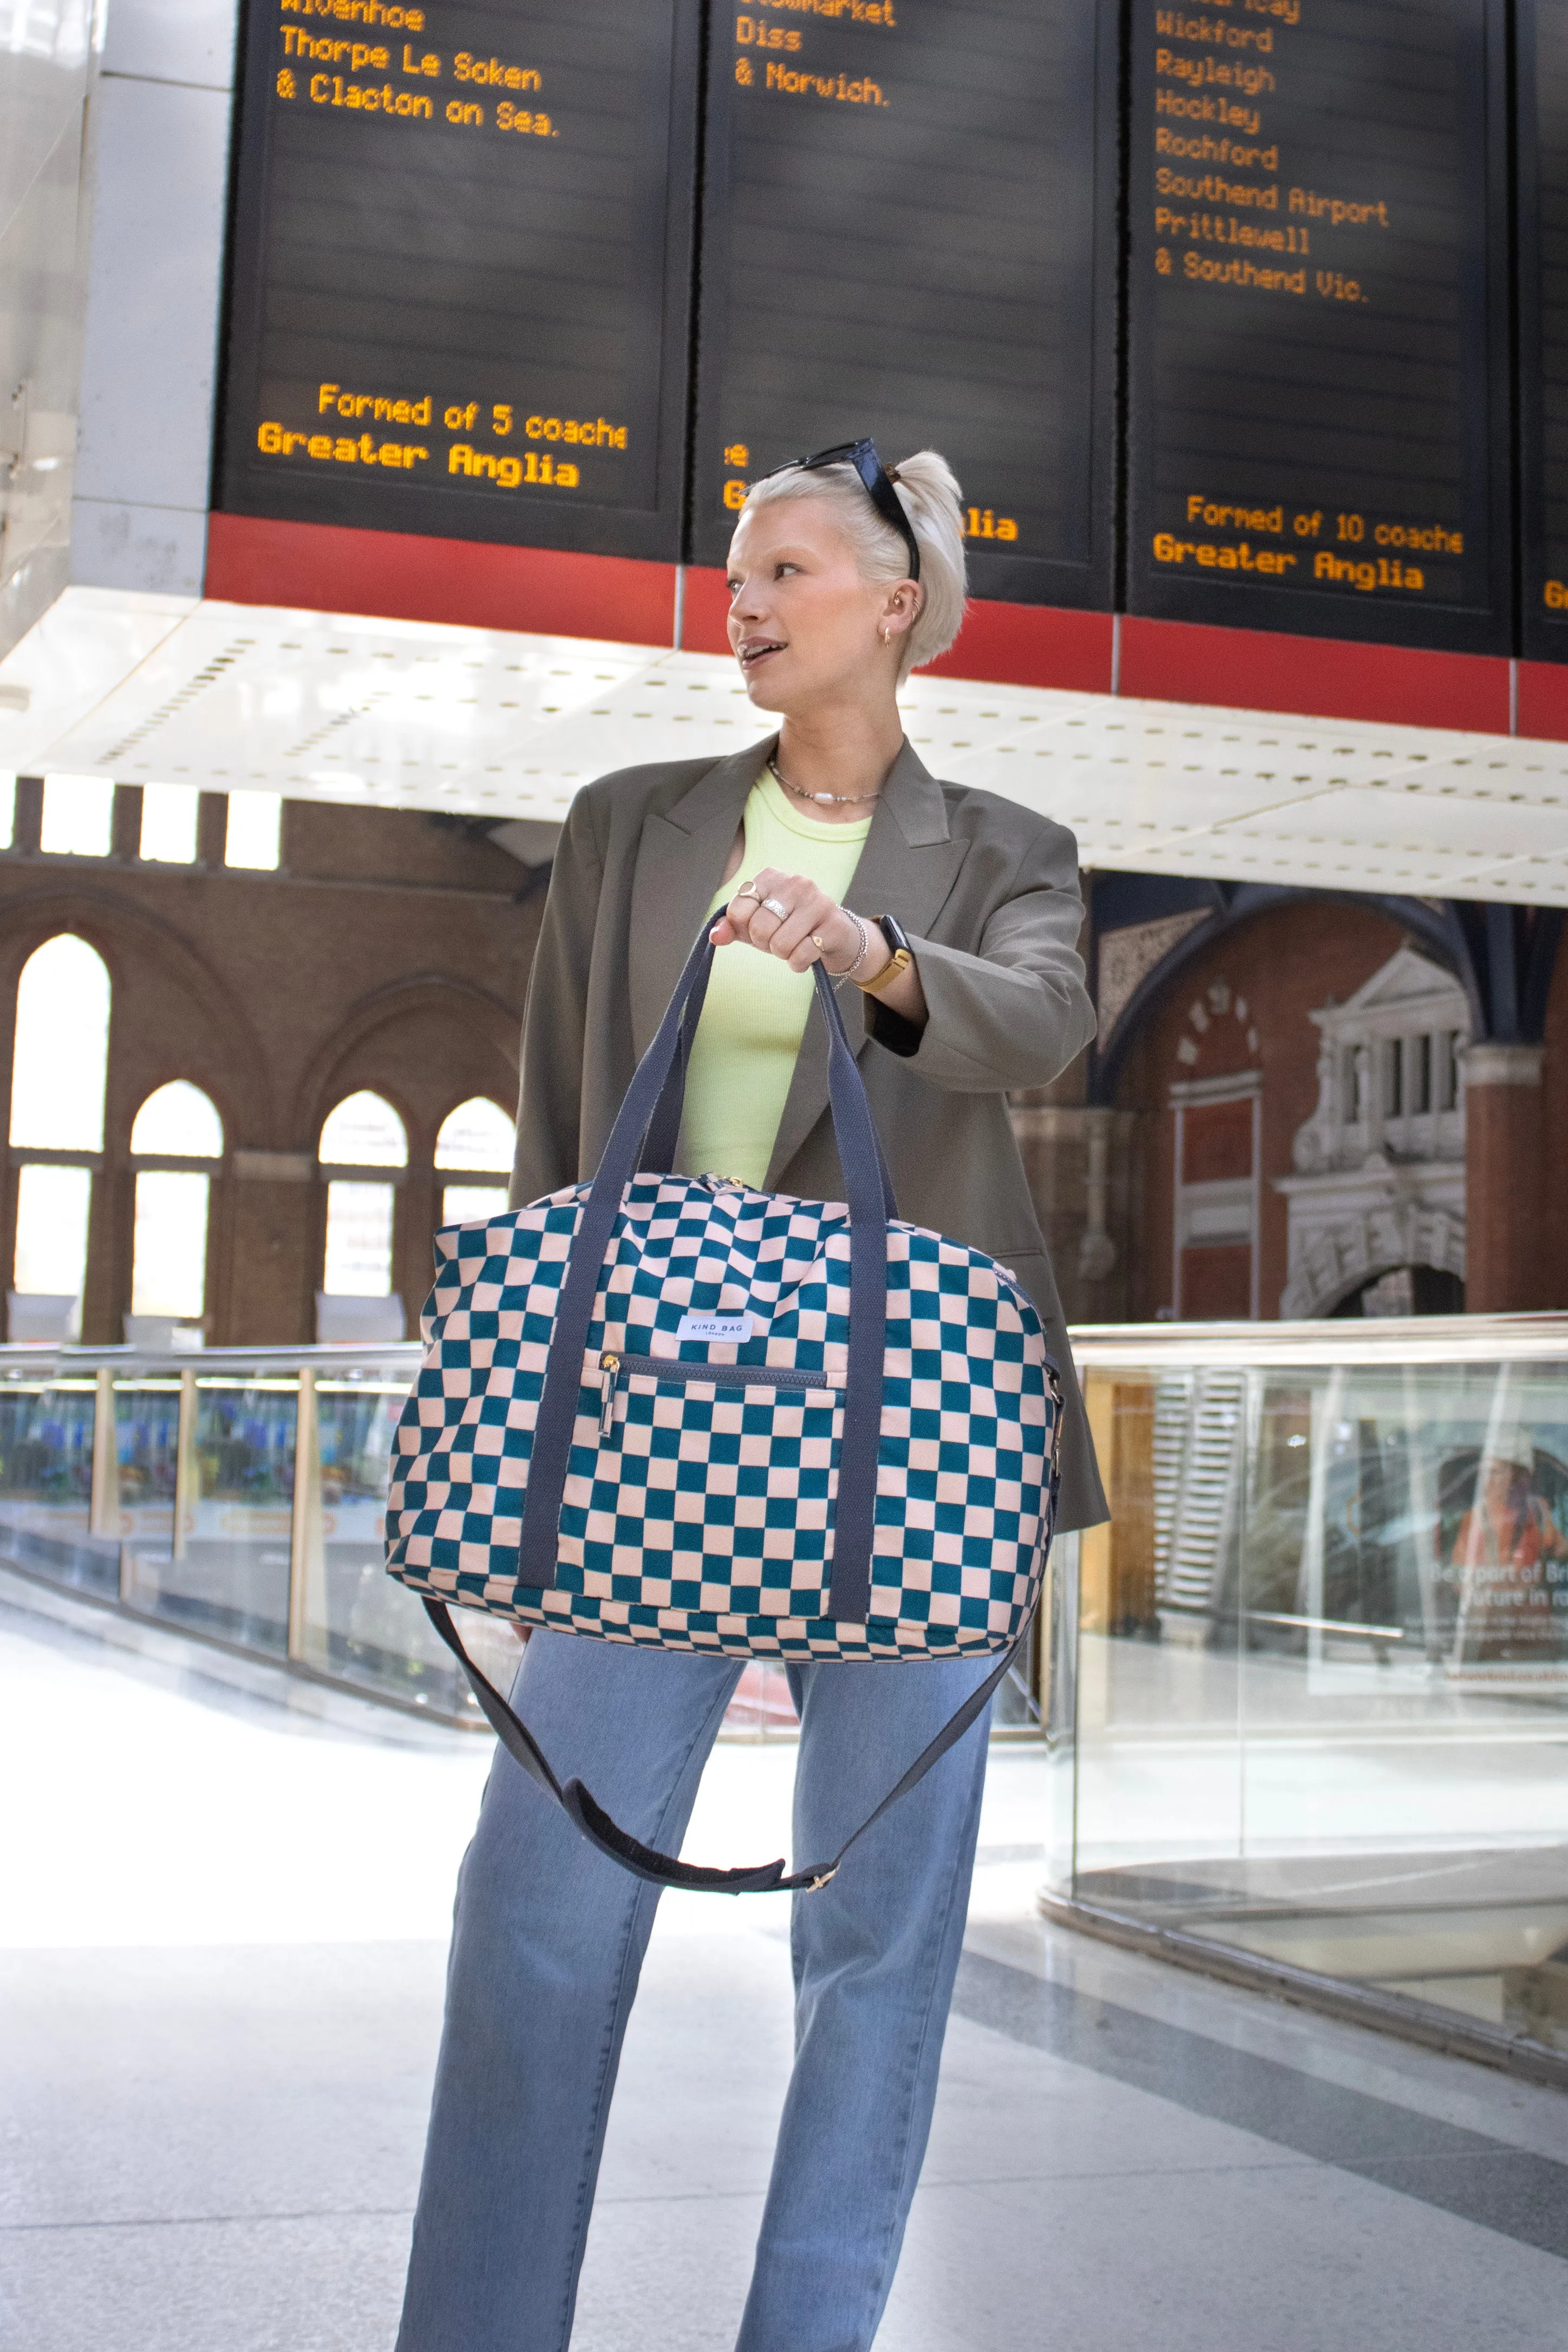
[(753, 1018)]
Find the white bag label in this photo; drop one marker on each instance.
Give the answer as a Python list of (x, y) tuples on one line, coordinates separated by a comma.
[(714, 1327)]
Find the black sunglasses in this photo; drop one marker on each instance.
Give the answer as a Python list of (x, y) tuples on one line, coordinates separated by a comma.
[(862, 456)]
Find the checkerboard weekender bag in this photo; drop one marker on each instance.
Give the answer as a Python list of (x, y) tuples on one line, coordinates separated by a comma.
[(674, 1411)]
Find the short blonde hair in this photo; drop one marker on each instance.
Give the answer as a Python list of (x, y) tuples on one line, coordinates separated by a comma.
[(927, 488)]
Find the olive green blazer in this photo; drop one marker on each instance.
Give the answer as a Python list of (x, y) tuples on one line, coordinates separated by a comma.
[(988, 894)]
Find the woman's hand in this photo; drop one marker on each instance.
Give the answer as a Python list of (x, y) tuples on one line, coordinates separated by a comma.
[(813, 927)]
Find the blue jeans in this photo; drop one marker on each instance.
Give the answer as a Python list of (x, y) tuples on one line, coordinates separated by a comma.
[(548, 1943)]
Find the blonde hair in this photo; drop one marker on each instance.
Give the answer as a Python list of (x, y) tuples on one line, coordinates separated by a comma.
[(927, 489)]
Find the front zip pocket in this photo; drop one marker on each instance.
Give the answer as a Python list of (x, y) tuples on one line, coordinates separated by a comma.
[(616, 1371)]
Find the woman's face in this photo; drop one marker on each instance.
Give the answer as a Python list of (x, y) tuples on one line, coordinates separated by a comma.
[(1501, 1479), (804, 624)]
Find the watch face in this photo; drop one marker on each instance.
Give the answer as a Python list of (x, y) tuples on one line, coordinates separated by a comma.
[(893, 931)]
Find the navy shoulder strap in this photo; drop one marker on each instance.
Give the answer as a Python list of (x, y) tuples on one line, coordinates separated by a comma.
[(667, 1869)]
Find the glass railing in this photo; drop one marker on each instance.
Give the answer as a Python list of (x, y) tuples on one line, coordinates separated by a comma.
[(1306, 1696), (239, 1496), (1309, 1690), (234, 1495)]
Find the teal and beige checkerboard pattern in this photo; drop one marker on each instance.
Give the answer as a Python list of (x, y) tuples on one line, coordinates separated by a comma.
[(698, 1513)]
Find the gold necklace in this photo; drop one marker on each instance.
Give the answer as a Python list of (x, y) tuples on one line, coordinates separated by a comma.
[(836, 800)]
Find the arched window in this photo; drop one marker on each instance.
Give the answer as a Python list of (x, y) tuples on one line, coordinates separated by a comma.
[(477, 1139), (57, 1072), (62, 1048), (363, 1132), (176, 1125)]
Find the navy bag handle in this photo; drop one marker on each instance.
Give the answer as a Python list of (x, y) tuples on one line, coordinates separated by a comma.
[(645, 1132), (664, 1128)]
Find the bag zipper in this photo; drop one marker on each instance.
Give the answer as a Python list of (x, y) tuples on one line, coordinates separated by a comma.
[(614, 1367)]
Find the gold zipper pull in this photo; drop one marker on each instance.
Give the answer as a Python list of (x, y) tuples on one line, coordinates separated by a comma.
[(608, 1367)]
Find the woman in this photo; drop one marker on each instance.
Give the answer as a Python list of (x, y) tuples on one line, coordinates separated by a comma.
[(1506, 1558), (799, 846)]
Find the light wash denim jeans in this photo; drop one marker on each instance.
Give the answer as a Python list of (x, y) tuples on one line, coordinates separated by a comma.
[(548, 1943)]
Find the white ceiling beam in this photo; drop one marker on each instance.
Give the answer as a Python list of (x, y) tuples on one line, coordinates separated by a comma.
[(420, 715)]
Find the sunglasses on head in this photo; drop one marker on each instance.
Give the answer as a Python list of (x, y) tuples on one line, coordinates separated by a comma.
[(862, 456)]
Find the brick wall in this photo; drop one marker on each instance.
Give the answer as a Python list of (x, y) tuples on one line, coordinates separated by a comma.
[(391, 951), (388, 951), (1280, 967)]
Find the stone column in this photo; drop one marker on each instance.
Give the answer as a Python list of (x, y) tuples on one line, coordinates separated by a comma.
[(125, 834), (212, 829), (1078, 1159), (416, 1219), (1507, 1263), (29, 817), (265, 1276)]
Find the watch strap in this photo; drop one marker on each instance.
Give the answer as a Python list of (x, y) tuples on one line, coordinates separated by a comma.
[(901, 956)]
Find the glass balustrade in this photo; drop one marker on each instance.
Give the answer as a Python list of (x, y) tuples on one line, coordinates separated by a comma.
[(240, 1496), (140, 1477), (1310, 1685), (1305, 1697), (47, 1424)]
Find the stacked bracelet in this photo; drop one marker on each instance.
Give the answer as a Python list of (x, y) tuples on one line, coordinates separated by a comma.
[(850, 969)]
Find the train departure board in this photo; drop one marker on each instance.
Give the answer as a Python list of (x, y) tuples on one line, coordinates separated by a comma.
[(1319, 417), (1544, 305), (909, 231), (461, 284)]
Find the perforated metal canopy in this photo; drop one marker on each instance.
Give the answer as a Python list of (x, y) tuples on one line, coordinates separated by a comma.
[(405, 714)]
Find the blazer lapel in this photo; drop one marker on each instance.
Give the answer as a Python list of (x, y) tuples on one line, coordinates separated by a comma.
[(907, 869), (680, 865)]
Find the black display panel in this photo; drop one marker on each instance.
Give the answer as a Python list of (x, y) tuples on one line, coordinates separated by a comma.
[(460, 278), (1319, 411), (1544, 327), (908, 230)]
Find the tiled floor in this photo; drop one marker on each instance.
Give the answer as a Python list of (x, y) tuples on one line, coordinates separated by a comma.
[(221, 1945)]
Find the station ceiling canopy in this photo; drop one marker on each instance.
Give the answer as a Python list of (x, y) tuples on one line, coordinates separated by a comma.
[(417, 714)]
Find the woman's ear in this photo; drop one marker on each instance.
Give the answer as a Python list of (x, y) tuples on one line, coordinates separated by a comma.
[(902, 609)]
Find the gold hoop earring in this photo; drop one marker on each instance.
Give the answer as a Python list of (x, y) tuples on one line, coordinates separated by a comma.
[(886, 638)]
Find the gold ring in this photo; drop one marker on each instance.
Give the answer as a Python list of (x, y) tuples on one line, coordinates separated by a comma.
[(745, 894), (816, 941)]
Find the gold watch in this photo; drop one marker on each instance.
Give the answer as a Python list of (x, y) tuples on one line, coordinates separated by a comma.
[(901, 955)]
